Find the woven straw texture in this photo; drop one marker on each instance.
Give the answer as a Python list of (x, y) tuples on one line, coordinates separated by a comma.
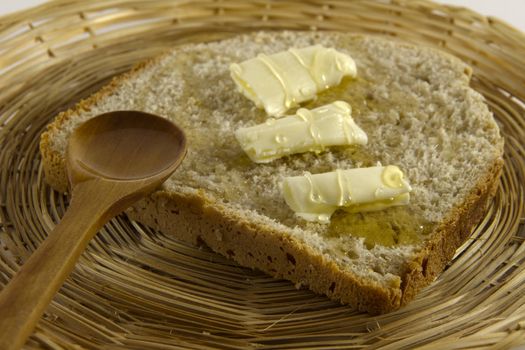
[(135, 288)]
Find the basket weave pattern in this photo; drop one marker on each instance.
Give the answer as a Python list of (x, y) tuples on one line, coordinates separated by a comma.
[(135, 288)]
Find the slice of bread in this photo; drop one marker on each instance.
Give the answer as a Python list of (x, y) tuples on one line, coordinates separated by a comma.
[(418, 111)]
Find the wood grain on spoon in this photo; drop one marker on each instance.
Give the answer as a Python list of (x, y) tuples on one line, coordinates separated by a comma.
[(112, 160)]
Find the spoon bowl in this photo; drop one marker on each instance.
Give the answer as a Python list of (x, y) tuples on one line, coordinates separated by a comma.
[(150, 144), (112, 160)]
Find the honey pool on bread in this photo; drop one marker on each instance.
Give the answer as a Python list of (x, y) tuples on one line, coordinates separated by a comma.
[(400, 225), (283, 80)]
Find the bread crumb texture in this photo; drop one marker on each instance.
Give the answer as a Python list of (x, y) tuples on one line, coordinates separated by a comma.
[(414, 103)]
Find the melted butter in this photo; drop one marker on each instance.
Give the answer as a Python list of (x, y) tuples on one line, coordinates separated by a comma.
[(389, 227), (392, 177), (355, 189), (344, 197), (318, 73), (304, 91), (307, 131), (349, 132), (308, 117), (275, 69), (280, 81)]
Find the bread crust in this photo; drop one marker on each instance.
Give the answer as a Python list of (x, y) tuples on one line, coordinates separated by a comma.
[(196, 219), (450, 235)]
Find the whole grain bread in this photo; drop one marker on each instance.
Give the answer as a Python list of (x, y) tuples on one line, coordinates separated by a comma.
[(418, 111)]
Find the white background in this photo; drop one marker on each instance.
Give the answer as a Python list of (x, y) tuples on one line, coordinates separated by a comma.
[(511, 11)]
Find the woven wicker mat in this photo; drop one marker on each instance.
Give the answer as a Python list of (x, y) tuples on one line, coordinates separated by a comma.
[(139, 289)]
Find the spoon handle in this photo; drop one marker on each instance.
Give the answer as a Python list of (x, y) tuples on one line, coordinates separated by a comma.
[(27, 295)]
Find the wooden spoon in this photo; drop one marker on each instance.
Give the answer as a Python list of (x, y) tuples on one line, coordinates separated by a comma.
[(112, 160)]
